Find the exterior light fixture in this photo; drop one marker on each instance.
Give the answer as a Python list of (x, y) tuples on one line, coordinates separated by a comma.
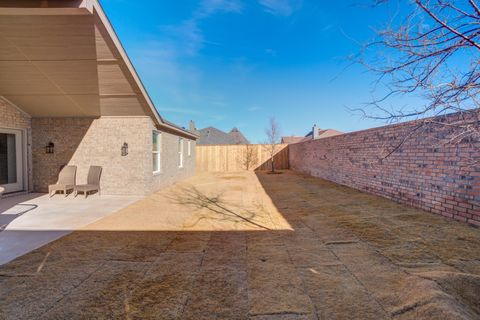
[(50, 147), (124, 149)]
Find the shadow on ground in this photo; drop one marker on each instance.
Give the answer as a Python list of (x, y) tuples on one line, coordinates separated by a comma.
[(12, 208), (217, 208), (344, 255)]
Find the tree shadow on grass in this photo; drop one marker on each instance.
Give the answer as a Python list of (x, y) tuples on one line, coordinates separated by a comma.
[(222, 211)]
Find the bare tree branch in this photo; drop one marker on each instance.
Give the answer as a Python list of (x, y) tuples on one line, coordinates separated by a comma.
[(273, 139), (433, 51), (248, 157)]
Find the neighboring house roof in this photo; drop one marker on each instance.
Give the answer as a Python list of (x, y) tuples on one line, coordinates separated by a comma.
[(292, 139), (237, 137), (88, 74), (322, 133), (212, 136)]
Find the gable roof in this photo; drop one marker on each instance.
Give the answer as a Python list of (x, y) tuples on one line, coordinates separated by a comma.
[(236, 137), (76, 67), (214, 136), (322, 133), (292, 139)]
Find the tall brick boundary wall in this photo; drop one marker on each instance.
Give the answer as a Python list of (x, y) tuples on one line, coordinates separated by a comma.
[(423, 172)]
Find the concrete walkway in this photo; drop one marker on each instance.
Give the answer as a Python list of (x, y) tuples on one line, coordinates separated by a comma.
[(30, 221), (259, 247)]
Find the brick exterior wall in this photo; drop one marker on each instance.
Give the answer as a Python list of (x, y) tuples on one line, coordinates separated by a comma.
[(84, 142), (67, 135), (423, 172), (170, 171), (13, 118)]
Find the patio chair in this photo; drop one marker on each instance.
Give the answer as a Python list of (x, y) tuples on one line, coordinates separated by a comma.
[(66, 181), (93, 181)]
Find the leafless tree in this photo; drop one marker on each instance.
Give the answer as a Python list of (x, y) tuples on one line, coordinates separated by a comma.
[(248, 158), (272, 142), (432, 51)]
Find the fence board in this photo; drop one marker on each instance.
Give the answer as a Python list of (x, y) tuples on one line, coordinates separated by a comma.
[(234, 158)]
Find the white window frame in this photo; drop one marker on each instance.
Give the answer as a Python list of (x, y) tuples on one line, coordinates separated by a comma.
[(180, 152), (158, 152), (189, 144)]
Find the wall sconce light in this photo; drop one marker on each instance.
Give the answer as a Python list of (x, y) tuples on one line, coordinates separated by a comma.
[(50, 147), (124, 149)]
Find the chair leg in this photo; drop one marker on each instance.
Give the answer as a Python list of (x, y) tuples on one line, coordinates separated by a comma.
[(86, 194)]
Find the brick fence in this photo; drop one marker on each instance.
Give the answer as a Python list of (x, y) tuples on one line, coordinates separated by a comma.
[(423, 171)]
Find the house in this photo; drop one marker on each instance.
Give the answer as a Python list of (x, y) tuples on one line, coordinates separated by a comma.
[(315, 134), (292, 139), (214, 136), (70, 95)]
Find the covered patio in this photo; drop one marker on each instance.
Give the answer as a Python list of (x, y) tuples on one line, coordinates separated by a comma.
[(70, 95)]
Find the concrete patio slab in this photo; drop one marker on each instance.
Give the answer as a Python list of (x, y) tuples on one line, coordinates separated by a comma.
[(29, 221)]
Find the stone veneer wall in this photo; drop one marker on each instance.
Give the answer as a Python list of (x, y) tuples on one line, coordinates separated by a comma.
[(13, 118), (84, 142), (423, 172)]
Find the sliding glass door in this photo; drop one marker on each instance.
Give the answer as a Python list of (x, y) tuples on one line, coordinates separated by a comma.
[(11, 160)]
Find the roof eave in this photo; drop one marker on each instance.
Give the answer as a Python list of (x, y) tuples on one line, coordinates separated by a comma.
[(180, 131), (94, 5)]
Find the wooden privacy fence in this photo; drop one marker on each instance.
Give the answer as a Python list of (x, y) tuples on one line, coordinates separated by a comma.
[(234, 158)]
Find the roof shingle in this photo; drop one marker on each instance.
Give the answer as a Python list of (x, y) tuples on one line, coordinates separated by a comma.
[(214, 136)]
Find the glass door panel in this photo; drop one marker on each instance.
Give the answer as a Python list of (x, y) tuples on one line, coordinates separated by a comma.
[(11, 162)]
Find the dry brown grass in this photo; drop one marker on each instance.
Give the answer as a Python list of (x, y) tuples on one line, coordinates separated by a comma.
[(238, 246)]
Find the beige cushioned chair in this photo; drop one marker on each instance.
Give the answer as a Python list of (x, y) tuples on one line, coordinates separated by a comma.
[(66, 181), (93, 181)]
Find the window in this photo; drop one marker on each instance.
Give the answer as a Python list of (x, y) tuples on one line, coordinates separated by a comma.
[(156, 150), (189, 143), (180, 152)]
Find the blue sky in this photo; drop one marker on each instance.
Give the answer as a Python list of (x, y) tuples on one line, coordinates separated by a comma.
[(236, 63)]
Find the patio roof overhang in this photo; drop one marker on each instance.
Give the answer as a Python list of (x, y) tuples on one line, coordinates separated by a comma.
[(63, 59)]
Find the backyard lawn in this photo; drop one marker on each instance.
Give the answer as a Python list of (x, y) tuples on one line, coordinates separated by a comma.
[(252, 246)]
